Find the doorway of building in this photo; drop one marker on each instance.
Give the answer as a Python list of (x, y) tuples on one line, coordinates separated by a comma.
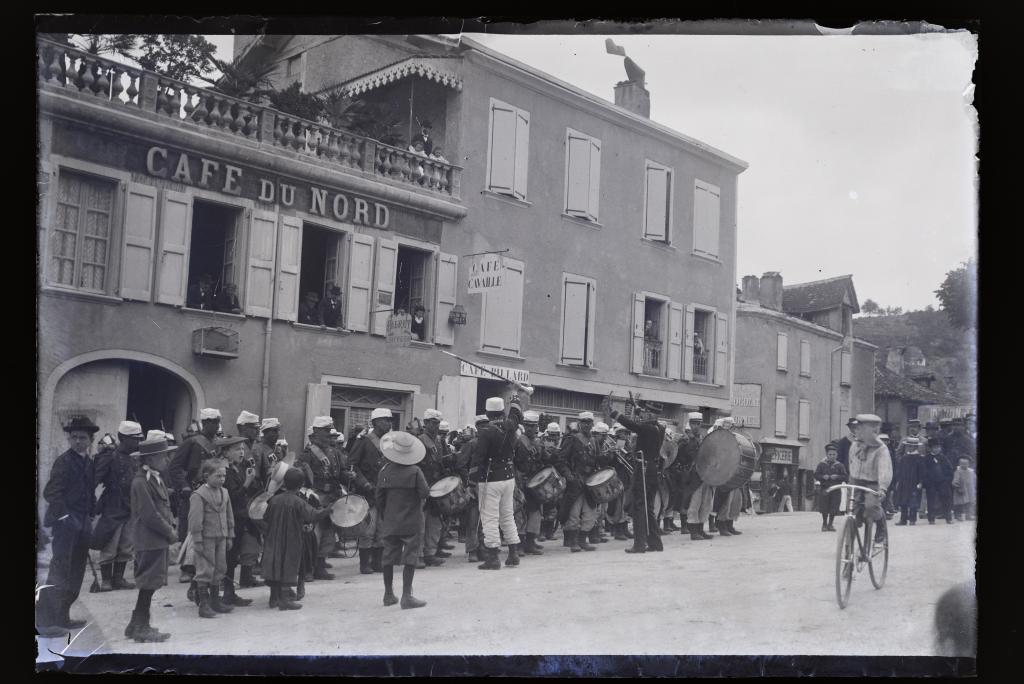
[(486, 389), (157, 399)]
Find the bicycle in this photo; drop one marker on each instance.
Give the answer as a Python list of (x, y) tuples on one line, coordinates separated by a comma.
[(851, 555)]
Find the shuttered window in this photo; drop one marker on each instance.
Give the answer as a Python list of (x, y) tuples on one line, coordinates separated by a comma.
[(706, 218), (845, 369), (579, 299), (805, 358), (657, 201), (782, 352), (508, 149), (447, 285), (503, 312), (780, 416), (81, 234), (804, 422), (582, 175)]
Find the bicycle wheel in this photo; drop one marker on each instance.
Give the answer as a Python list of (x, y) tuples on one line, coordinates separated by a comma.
[(878, 562), (845, 552)]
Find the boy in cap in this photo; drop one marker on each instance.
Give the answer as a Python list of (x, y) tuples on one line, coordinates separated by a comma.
[(153, 534), (183, 477), (211, 522), (433, 466), (494, 471), (241, 484), (366, 460), (328, 311), (115, 469), (829, 473), (69, 494), (870, 466), (284, 518), (400, 493)]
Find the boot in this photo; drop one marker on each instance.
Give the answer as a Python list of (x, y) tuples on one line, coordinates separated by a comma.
[(700, 528), (669, 526), (284, 603), (571, 540), (230, 597), (530, 547), (473, 557), (432, 561), (106, 578), (410, 601), (320, 572), (732, 527), (215, 601), (389, 598), (696, 532), (712, 524), (594, 536), (147, 633), (581, 541), (620, 532), (188, 573), (490, 557), (441, 553), (137, 621), (635, 549), (566, 538), (246, 580), (364, 561), (375, 559), (119, 582), (446, 546), (193, 593), (903, 521), (723, 528), (205, 608), (275, 595), (513, 555)]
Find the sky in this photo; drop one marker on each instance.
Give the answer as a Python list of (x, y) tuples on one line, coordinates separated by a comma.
[(861, 148)]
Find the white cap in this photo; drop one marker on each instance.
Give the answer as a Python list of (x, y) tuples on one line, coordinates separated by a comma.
[(209, 414), (728, 421), (601, 427), (531, 417), (586, 415), (495, 404), (868, 418), (270, 423), (481, 419), (246, 418), (323, 422), (444, 426), (129, 428), (718, 422), (695, 415), (155, 434), (281, 442), (380, 413), (553, 428), (619, 427), (432, 414)]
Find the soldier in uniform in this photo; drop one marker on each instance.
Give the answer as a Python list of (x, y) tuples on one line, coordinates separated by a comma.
[(579, 460), (249, 541), (646, 471), (471, 529), (323, 473), (433, 466), (550, 441), (115, 469), (604, 449), (728, 503), (701, 501), (183, 477), (618, 507), (365, 459), (264, 451), (494, 472), (529, 460)]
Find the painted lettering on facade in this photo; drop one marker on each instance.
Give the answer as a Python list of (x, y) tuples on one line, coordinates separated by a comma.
[(746, 404), (517, 374), (486, 273)]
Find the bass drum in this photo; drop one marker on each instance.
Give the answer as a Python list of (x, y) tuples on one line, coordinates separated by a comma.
[(726, 459)]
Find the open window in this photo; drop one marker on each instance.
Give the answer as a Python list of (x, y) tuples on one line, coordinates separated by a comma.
[(657, 335), (414, 285), (706, 345), (322, 264), (214, 258)]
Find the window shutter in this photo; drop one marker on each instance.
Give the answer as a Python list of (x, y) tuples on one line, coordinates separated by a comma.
[(655, 207), (360, 282), (522, 152), (805, 357), (384, 281), (688, 326), (844, 375), (139, 242), (714, 219), (721, 348), (259, 285), (502, 172), (175, 235), (805, 419), (780, 416), (318, 401), (447, 286), (591, 316), (503, 311), (577, 184), (637, 365), (288, 264), (782, 352), (595, 179), (575, 298), (675, 339), (706, 209)]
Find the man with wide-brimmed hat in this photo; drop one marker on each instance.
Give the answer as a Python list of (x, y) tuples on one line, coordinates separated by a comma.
[(320, 462), (870, 466), (647, 462), (115, 470), (434, 466), (153, 532), (400, 495), (69, 494), (493, 471), (365, 459)]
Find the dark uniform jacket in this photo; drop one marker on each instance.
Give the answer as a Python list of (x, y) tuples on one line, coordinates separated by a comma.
[(151, 519), (240, 495), (265, 459), (909, 473), (435, 463), (494, 453), (464, 460), (937, 470), (366, 460), (581, 458), (70, 491), (323, 466), (529, 458), (116, 469), (183, 472), (649, 437)]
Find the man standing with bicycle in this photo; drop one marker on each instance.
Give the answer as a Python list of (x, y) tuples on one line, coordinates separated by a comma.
[(870, 466)]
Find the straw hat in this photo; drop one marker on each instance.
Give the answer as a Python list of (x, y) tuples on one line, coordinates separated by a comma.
[(402, 448)]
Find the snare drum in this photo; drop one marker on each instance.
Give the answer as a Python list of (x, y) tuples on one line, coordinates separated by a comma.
[(449, 495), (546, 486), (258, 506), (351, 513), (605, 485)]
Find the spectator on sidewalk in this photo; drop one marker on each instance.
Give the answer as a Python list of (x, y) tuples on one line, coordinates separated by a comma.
[(784, 492), (907, 480), (829, 473), (965, 484)]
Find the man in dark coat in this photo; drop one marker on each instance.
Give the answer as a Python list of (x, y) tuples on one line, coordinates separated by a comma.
[(529, 460), (578, 460), (308, 311), (200, 295), (152, 534), (115, 470), (241, 484), (959, 444), (844, 444), (646, 473), (434, 465), (328, 311), (829, 473), (69, 494), (283, 541), (366, 460), (323, 470), (493, 472), (938, 483), (471, 530), (907, 480)]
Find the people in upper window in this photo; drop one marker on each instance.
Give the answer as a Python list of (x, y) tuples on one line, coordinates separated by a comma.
[(419, 323), (200, 295), (226, 301), (424, 137), (308, 309), (328, 311), (437, 155)]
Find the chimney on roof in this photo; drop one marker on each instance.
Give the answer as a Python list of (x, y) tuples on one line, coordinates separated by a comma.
[(771, 290), (631, 93), (751, 289)]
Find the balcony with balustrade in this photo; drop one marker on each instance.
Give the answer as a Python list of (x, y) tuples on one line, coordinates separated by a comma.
[(72, 83), (653, 357)]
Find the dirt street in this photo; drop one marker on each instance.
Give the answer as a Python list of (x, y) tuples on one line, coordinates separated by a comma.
[(769, 591)]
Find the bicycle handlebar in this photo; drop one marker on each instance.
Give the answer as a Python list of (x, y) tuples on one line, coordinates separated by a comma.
[(850, 486)]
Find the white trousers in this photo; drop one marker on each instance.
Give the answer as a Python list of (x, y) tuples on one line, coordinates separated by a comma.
[(497, 511)]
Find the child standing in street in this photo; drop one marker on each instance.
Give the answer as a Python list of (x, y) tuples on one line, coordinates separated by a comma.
[(153, 532), (211, 523), (965, 482), (401, 491)]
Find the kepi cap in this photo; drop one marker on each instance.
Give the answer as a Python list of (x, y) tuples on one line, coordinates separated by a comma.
[(246, 418), (209, 414), (270, 424), (432, 414), (695, 415), (494, 404), (531, 417), (380, 413), (585, 415), (868, 418), (323, 422), (444, 426), (553, 429), (481, 419), (155, 434), (601, 427)]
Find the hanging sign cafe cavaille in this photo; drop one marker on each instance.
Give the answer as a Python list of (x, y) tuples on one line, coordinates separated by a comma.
[(162, 162)]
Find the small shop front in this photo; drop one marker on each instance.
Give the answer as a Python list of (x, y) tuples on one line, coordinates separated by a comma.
[(780, 462)]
